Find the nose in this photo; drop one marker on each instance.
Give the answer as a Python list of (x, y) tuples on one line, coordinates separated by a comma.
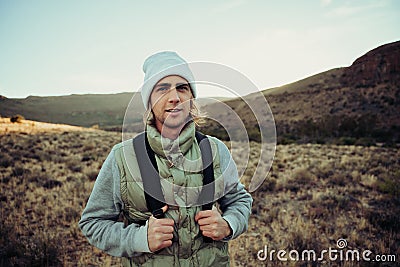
[(173, 96)]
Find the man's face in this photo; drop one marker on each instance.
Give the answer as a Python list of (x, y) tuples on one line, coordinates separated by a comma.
[(170, 102)]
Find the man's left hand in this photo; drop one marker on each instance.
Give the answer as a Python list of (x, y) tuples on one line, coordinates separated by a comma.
[(212, 224)]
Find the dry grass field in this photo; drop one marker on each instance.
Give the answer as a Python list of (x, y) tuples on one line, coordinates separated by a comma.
[(314, 195)]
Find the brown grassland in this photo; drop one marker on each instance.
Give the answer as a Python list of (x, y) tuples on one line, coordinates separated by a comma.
[(313, 196)]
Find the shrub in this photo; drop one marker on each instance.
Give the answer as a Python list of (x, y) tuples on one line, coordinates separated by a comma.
[(333, 203), (285, 140), (19, 170), (71, 214), (38, 250), (302, 176), (339, 179), (17, 118), (9, 246), (52, 183), (390, 185), (347, 141), (384, 220), (92, 175), (42, 250), (74, 164), (269, 185), (365, 141), (5, 161)]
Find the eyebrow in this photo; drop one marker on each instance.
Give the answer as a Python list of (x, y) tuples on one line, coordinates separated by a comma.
[(163, 84), (169, 85)]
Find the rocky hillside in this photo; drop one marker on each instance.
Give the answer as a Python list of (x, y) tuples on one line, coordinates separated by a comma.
[(378, 66), (355, 104), (360, 102)]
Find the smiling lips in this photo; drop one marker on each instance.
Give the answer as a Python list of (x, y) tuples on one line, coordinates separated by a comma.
[(173, 110)]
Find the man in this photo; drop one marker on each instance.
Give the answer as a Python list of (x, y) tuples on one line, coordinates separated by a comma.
[(185, 234)]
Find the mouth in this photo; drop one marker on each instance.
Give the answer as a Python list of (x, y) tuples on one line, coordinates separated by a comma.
[(173, 110)]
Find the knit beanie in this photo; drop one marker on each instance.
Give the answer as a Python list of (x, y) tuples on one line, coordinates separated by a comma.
[(161, 65)]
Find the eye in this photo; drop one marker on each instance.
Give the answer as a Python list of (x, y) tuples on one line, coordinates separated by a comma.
[(183, 88), (162, 89)]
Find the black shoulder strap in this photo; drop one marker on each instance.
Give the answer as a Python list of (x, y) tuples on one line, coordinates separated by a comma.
[(151, 179), (207, 194), (149, 172)]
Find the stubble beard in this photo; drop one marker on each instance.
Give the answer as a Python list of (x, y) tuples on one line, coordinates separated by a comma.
[(166, 124)]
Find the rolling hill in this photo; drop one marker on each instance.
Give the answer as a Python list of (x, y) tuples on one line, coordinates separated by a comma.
[(81, 110), (359, 103), (355, 104)]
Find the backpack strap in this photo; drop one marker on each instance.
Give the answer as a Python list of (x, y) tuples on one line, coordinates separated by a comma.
[(150, 177), (151, 180), (207, 193)]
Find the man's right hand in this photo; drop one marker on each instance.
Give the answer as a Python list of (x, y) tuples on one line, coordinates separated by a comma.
[(160, 233)]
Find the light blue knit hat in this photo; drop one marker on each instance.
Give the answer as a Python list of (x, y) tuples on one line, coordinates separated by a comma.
[(161, 65)]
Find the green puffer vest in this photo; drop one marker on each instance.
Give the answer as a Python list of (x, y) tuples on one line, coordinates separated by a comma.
[(188, 248)]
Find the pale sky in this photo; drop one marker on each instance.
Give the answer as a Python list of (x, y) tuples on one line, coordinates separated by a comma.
[(97, 46)]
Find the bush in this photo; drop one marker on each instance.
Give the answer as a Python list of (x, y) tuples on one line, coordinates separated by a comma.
[(387, 221), (19, 170), (71, 214), (38, 250), (303, 176), (92, 175), (5, 160), (339, 179), (74, 164), (365, 141), (286, 140), (390, 185), (269, 185), (17, 118), (50, 184), (347, 141)]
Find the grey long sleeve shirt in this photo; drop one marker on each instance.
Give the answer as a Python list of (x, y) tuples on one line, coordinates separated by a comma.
[(99, 219)]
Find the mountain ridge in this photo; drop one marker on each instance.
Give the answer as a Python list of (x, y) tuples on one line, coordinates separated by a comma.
[(358, 101), (357, 104)]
